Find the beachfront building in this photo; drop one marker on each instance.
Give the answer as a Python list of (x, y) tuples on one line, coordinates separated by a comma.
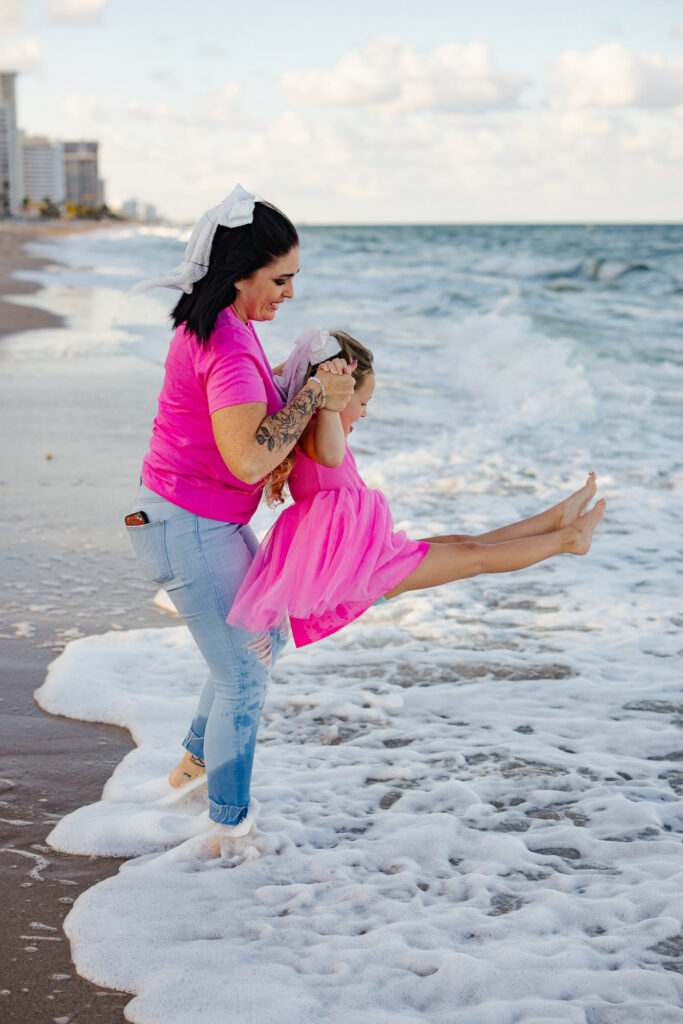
[(11, 186), (133, 209), (43, 170), (82, 183)]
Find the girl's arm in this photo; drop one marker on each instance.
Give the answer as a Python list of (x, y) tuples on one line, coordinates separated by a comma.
[(323, 439)]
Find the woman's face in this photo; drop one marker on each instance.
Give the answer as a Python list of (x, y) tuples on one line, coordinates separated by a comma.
[(357, 407), (259, 296)]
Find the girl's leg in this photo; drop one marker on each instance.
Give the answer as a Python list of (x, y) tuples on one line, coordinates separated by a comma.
[(562, 514), (444, 563)]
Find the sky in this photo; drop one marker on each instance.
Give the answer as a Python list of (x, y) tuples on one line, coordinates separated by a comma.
[(382, 111)]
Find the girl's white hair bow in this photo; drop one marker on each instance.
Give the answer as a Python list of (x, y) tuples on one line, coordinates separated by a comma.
[(312, 346)]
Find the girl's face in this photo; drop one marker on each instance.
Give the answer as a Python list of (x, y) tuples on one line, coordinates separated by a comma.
[(260, 295), (357, 407)]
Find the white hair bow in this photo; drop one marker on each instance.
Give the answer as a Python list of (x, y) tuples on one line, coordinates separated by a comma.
[(235, 210), (312, 346)]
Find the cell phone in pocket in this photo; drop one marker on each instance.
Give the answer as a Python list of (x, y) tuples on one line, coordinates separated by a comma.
[(136, 519)]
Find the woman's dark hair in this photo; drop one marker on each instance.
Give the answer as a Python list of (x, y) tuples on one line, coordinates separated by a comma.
[(235, 254)]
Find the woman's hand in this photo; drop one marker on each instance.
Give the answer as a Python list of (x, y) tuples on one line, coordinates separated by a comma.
[(339, 386)]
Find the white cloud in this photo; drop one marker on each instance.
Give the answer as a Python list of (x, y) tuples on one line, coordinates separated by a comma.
[(385, 73), (81, 108), (11, 13), (612, 76), (75, 10), (389, 166), (143, 111), (20, 54), (677, 31), (216, 107), (213, 108)]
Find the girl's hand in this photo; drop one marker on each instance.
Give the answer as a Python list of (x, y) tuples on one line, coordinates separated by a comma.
[(337, 365)]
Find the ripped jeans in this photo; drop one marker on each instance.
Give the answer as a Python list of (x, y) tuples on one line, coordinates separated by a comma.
[(201, 563)]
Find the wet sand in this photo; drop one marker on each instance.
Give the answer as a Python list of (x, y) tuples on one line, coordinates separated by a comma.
[(13, 257), (65, 571)]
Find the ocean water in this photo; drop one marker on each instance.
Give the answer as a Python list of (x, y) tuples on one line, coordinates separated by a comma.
[(471, 799)]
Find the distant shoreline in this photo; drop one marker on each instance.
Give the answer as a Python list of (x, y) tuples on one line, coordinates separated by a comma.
[(14, 236)]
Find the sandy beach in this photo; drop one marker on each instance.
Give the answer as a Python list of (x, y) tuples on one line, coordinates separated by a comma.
[(13, 258), (49, 765)]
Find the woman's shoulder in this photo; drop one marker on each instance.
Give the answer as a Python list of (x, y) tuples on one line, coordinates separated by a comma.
[(229, 328)]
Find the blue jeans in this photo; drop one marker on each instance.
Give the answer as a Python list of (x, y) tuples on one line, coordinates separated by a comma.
[(201, 563)]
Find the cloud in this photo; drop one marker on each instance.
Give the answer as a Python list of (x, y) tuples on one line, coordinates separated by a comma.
[(217, 107), (75, 10), (520, 166), (20, 54), (210, 109), (612, 76), (11, 13), (81, 107), (382, 166), (214, 51), (385, 73), (677, 31)]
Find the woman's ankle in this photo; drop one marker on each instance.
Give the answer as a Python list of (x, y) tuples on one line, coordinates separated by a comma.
[(188, 768)]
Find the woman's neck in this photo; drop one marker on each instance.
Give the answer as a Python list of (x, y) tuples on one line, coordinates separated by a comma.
[(245, 320)]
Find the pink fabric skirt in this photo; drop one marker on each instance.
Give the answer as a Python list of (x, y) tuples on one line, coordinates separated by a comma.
[(323, 563)]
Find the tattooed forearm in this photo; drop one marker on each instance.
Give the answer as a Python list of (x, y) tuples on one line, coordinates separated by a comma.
[(281, 431)]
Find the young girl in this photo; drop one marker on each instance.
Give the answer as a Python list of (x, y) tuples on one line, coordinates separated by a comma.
[(334, 553)]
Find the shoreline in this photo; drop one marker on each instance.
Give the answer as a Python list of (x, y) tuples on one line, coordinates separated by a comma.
[(51, 765), (14, 236)]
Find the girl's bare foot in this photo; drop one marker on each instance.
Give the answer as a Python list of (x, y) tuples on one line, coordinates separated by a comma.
[(189, 768), (572, 507), (580, 533)]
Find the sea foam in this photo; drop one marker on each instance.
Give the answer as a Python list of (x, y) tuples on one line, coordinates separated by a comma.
[(465, 809)]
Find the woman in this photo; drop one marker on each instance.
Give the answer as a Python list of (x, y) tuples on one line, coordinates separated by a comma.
[(221, 428)]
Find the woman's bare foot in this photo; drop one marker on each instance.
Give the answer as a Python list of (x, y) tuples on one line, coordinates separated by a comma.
[(189, 768), (571, 508), (580, 533), (230, 843)]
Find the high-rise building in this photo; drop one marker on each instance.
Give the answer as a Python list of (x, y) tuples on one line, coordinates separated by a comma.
[(83, 185), (43, 169), (135, 210), (11, 187)]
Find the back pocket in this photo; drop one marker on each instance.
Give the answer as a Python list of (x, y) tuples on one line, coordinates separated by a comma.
[(149, 544)]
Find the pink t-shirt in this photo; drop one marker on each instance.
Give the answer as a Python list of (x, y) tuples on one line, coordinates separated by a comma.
[(183, 463)]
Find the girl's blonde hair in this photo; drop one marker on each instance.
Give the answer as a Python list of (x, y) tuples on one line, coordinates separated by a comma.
[(350, 350)]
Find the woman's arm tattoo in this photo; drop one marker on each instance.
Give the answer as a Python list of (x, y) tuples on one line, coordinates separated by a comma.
[(283, 429)]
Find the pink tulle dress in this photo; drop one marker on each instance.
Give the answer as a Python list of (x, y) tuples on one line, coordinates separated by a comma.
[(327, 558)]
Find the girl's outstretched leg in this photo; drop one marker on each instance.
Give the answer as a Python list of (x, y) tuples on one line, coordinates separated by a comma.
[(583, 528), (445, 563), (554, 518)]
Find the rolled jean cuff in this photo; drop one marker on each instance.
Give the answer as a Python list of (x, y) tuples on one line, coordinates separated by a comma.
[(194, 744), (224, 814)]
